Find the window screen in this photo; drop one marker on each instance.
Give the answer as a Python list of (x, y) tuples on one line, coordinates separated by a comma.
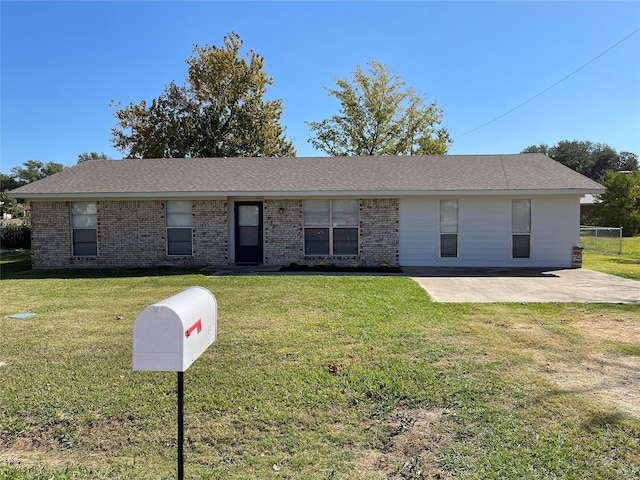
[(521, 228), (448, 228), (84, 225), (179, 227), (331, 227)]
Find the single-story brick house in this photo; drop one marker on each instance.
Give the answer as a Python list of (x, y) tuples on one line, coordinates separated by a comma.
[(519, 210)]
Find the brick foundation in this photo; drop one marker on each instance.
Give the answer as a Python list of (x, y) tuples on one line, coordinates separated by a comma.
[(577, 257)]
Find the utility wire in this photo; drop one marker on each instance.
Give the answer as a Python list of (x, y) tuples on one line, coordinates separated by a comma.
[(550, 87)]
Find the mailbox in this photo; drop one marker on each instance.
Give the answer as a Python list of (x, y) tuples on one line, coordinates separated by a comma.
[(171, 334)]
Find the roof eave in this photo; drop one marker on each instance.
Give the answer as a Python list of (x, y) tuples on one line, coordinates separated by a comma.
[(301, 194)]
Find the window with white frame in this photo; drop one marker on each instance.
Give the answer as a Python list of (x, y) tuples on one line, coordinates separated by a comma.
[(448, 228), (331, 227), (521, 228), (84, 228), (179, 227)]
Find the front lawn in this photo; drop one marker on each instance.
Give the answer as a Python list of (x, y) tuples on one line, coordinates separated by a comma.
[(415, 390)]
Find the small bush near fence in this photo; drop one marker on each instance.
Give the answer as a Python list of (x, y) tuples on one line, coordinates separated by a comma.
[(15, 235)]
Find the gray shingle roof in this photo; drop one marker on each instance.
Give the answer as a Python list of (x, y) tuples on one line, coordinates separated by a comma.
[(384, 175)]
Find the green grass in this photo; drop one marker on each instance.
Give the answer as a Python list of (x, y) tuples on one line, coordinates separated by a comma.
[(12, 261), (626, 264), (422, 390)]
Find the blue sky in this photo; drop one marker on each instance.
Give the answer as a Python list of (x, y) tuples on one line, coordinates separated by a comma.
[(62, 63)]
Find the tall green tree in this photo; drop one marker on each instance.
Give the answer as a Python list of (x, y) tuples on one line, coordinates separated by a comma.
[(33, 170), (30, 171), (542, 148), (628, 161), (620, 204), (379, 115), (588, 158), (220, 111), (7, 205), (7, 182), (86, 156)]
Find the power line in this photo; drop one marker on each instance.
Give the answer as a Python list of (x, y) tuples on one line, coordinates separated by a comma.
[(551, 86)]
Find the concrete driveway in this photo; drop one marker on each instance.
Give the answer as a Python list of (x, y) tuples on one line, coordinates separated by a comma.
[(523, 285)]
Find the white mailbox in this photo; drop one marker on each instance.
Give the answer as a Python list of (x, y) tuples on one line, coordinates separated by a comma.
[(171, 334)]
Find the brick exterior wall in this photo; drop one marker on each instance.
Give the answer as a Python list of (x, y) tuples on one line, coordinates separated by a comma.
[(282, 232), (576, 261), (379, 231), (210, 232), (50, 234), (132, 233), (379, 234)]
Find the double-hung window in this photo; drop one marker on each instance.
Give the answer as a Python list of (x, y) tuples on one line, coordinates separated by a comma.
[(179, 227), (331, 227), (448, 228), (521, 228), (84, 228)]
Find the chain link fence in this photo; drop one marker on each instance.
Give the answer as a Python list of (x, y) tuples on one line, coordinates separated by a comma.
[(601, 239)]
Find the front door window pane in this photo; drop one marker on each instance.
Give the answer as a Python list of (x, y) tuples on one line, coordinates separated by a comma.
[(248, 236), (248, 215)]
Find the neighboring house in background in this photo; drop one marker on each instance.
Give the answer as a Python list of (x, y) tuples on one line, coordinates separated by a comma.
[(518, 210), (586, 205)]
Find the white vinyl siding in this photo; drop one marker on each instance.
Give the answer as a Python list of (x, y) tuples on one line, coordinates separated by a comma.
[(555, 223), (418, 231), (484, 231)]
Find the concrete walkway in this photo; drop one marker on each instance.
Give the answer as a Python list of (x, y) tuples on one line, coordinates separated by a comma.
[(481, 285), (524, 285)]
